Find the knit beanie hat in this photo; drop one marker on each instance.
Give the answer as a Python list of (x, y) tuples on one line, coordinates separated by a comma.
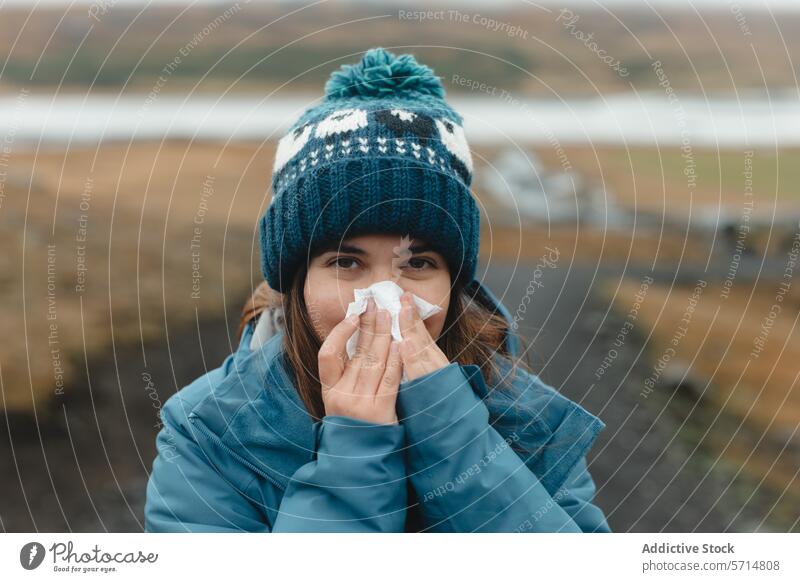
[(381, 153)]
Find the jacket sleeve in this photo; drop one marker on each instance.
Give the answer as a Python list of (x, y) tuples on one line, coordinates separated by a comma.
[(356, 482), (466, 475), (576, 499)]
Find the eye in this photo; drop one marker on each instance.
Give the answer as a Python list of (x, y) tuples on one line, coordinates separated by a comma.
[(418, 263), (337, 262)]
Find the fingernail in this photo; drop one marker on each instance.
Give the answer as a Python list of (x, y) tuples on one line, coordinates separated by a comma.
[(370, 304), (353, 318)]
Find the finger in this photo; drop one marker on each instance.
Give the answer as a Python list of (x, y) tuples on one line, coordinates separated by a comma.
[(410, 355), (366, 334), (332, 354), (407, 311), (419, 323), (410, 322), (423, 336), (374, 364), (393, 373), (367, 327)]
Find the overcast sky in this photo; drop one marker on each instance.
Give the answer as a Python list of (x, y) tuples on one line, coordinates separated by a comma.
[(749, 5)]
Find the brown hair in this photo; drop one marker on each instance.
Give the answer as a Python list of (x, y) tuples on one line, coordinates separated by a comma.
[(472, 334)]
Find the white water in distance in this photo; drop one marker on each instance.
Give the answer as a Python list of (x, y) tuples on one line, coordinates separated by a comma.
[(647, 119)]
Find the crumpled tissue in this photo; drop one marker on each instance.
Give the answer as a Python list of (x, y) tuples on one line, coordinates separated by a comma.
[(387, 296)]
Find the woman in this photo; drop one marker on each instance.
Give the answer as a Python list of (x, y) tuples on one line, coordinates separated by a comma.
[(442, 431)]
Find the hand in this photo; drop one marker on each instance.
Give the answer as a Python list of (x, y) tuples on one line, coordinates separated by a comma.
[(418, 350), (366, 386)]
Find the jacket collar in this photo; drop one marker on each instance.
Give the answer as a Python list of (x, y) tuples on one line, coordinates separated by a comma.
[(258, 416), (257, 413)]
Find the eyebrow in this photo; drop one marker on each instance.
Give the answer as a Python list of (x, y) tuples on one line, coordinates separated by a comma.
[(420, 248)]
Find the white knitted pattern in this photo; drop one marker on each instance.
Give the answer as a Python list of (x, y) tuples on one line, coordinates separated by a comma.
[(343, 121), (353, 119)]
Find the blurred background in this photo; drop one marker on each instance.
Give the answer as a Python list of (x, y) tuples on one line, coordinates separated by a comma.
[(637, 167)]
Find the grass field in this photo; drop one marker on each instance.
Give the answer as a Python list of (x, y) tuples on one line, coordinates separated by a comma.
[(658, 180), (730, 365)]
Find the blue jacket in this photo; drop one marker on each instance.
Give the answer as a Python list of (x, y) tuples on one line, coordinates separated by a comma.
[(238, 452)]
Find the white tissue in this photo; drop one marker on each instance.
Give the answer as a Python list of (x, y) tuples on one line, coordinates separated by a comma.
[(387, 296)]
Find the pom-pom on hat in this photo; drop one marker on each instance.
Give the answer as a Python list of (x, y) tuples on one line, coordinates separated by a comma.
[(382, 152)]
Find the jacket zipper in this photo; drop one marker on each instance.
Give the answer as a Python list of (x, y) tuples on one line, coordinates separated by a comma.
[(218, 441)]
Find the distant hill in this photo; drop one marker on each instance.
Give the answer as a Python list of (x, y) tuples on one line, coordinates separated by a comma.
[(256, 47)]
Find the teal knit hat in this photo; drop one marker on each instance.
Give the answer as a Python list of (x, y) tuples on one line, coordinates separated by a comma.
[(382, 153)]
